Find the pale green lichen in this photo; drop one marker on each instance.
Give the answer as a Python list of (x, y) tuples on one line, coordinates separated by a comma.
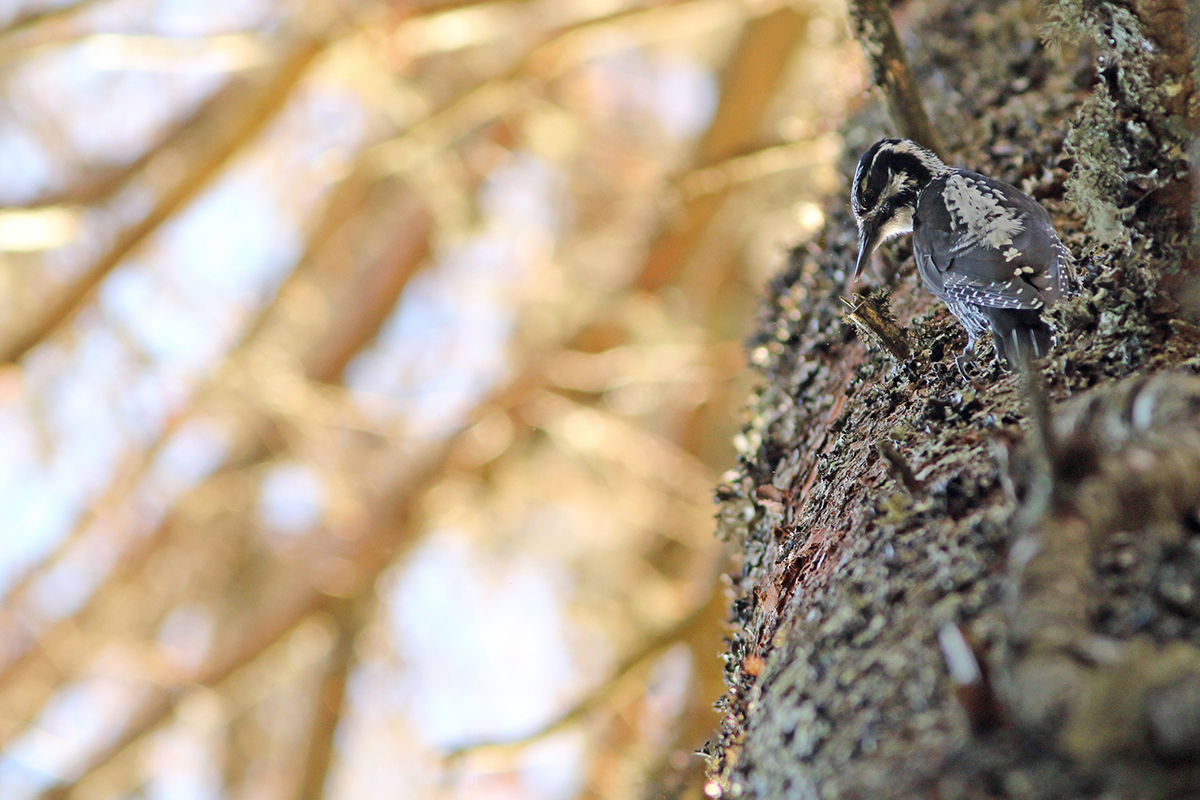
[(1118, 137), (1096, 183)]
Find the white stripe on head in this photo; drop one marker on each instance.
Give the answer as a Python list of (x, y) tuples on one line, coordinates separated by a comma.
[(926, 157)]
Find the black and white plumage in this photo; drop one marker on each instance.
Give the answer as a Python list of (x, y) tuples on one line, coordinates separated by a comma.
[(986, 249)]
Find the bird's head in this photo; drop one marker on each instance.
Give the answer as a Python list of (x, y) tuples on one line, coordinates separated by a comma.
[(887, 183)]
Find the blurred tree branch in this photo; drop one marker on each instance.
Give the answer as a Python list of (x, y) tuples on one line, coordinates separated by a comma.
[(877, 34), (749, 81), (254, 440), (391, 528), (366, 305), (377, 291), (466, 112), (227, 136), (345, 200), (26, 21), (728, 174), (97, 184), (358, 295), (349, 617)]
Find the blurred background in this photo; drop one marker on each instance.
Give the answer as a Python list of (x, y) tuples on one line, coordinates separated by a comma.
[(367, 370)]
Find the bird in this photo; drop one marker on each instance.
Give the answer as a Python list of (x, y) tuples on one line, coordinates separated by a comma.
[(982, 246)]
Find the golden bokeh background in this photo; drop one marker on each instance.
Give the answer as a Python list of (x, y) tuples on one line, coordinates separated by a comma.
[(369, 367)]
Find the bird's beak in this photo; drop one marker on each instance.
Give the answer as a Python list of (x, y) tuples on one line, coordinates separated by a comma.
[(868, 240)]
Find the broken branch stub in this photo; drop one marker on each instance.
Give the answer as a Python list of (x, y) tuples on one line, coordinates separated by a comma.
[(876, 33)]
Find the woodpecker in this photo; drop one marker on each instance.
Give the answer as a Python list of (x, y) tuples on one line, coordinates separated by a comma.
[(982, 246)]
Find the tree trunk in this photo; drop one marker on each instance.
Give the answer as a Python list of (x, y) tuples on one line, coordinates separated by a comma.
[(899, 527)]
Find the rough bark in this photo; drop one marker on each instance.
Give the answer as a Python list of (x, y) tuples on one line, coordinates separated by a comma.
[(895, 531)]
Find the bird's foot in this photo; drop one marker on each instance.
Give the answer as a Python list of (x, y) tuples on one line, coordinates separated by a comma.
[(973, 374), (967, 360)]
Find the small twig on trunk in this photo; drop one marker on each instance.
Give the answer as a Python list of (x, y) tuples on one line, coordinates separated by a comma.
[(872, 316), (969, 676), (899, 467)]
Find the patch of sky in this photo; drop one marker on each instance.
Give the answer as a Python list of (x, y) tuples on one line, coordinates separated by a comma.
[(26, 170), (182, 765), (182, 17), (376, 754), (207, 17), (684, 96), (71, 580), (222, 254), (452, 610), (232, 240), (20, 781), (147, 399), (527, 193), (193, 452), (71, 725), (334, 121), (105, 115), (291, 499), (553, 769), (79, 406), (446, 343), (680, 93), (45, 486), (35, 516)]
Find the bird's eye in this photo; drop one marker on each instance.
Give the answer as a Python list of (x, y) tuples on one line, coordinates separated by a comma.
[(873, 187)]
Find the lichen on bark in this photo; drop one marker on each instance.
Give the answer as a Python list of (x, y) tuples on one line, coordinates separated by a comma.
[(1131, 136)]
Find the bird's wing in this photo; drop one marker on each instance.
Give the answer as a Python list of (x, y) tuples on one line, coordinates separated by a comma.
[(977, 280), (976, 251)]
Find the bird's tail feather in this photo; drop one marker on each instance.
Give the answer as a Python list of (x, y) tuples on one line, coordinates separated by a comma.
[(1019, 334)]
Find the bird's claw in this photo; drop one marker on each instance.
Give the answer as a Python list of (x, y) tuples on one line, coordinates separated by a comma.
[(967, 360)]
